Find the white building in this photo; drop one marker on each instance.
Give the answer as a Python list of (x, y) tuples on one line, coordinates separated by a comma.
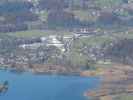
[(53, 41), (31, 46)]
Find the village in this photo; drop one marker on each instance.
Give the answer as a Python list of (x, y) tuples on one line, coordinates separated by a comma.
[(38, 50)]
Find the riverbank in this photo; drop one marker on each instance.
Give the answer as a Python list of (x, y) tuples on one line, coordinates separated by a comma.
[(53, 69), (116, 81), (41, 69)]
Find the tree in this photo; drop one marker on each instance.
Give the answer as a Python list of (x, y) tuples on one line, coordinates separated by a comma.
[(62, 19), (15, 7), (108, 18), (52, 4), (17, 11), (121, 51)]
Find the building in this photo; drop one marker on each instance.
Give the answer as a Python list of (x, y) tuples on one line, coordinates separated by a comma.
[(86, 31), (53, 41)]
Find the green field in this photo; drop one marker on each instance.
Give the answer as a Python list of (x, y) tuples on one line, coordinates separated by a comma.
[(37, 33), (93, 40)]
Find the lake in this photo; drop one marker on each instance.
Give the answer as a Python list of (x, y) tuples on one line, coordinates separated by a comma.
[(28, 86)]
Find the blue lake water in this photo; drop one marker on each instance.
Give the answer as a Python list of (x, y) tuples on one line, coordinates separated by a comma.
[(27, 86)]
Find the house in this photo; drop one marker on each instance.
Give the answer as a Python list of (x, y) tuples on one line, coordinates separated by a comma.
[(86, 31)]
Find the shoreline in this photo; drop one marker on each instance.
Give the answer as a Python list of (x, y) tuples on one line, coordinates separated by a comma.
[(43, 69), (66, 74), (38, 71), (115, 81)]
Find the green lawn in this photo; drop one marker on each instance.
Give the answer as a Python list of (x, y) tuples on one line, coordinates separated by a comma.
[(37, 33)]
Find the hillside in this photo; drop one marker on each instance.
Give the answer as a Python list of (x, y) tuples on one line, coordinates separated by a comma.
[(65, 36)]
